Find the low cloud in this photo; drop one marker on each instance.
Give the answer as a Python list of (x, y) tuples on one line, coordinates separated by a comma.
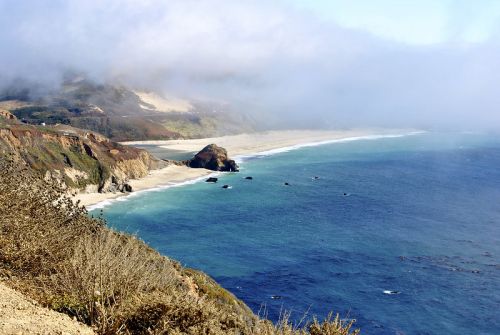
[(272, 60)]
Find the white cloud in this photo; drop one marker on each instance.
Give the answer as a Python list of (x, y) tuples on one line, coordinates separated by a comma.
[(262, 57)]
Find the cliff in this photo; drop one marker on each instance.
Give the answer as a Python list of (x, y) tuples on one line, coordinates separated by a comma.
[(54, 253), (108, 280), (79, 160)]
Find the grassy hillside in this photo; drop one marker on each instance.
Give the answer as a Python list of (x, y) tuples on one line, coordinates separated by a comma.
[(53, 252), (119, 113)]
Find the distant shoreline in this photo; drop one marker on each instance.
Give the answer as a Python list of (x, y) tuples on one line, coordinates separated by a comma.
[(239, 147)]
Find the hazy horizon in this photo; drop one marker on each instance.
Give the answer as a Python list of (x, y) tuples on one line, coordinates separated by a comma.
[(422, 64)]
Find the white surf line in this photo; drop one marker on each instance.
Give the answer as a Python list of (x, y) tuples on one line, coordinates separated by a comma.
[(241, 158), (128, 196)]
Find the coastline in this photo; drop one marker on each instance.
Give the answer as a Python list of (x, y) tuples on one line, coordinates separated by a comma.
[(239, 147), (254, 143)]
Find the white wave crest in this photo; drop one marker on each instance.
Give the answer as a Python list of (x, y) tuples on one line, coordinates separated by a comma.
[(241, 158)]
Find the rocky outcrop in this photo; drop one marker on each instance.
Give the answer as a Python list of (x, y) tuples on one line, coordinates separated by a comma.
[(7, 115), (213, 157)]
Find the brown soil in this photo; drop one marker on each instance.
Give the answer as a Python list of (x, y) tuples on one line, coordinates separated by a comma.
[(20, 315)]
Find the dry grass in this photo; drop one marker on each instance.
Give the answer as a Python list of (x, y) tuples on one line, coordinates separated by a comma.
[(330, 326), (52, 251), (108, 271)]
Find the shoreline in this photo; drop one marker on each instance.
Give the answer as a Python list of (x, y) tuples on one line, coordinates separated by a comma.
[(239, 147), (170, 176)]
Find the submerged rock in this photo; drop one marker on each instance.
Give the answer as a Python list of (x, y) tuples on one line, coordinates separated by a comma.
[(213, 157), (287, 184), (248, 178), (211, 180), (226, 186)]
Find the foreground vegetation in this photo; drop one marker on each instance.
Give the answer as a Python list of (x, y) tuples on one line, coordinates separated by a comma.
[(51, 250)]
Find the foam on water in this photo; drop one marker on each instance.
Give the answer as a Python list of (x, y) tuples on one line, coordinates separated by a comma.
[(129, 196), (240, 158)]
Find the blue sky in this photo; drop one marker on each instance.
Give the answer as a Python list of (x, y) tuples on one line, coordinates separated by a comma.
[(413, 21)]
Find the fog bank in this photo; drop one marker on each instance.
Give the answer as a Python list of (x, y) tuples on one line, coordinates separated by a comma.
[(274, 61)]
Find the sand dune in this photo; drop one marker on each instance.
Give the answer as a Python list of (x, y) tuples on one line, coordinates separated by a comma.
[(161, 104)]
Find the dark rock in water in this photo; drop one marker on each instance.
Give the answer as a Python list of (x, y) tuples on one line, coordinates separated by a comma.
[(315, 177), (231, 166), (213, 157), (127, 188), (211, 180), (248, 178), (226, 186), (276, 297), (287, 184)]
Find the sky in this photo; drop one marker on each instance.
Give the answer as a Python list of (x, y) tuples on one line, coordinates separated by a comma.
[(417, 22), (330, 63)]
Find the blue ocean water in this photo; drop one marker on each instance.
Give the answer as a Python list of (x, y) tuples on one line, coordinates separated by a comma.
[(419, 215)]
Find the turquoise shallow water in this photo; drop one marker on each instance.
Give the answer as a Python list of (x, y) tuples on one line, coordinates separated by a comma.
[(421, 216)]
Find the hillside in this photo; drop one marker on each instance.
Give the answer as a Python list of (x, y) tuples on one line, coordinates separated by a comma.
[(121, 113), (53, 252), (77, 159)]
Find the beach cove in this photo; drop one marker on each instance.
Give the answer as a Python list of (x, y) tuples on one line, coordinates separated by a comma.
[(238, 147)]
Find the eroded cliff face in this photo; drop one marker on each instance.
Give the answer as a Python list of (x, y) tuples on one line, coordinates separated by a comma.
[(79, 160)]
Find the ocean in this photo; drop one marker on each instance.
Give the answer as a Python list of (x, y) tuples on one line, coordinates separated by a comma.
[(400, 233)]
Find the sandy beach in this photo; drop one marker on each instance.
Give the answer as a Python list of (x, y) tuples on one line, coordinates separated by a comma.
[(172, 174), (245, 144), (236, 145)]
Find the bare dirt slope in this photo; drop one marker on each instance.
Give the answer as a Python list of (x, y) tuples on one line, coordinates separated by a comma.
[(20, 315)]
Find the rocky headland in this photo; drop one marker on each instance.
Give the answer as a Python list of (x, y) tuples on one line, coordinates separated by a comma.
[(213, 157), (81, 161)]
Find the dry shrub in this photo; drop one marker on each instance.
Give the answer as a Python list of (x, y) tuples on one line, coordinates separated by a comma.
[(177, 314), (38, 226), (54, 252), (333, 327), (330, 326), (108, 271)]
